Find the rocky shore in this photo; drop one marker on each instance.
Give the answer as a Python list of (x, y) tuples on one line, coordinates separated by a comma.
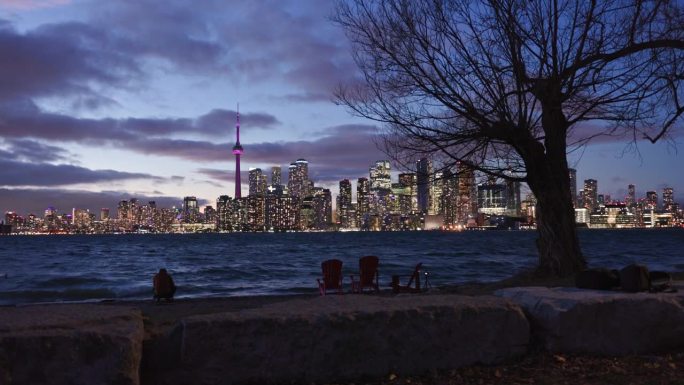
[(338, 338)]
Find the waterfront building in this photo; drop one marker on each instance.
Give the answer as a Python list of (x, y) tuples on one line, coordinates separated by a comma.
[(344, 204), (449, 199), (276, 176), (257, 182), (362, 200), (380, 179), (612, 216), (322, 208), (237, 151), (122, 210), (410, 183), (435, 191), (298, 179), (104, 214), (423, 175), (668, 200), (256, 212), (573, 186), (467, 194), (224, 213), (630, 199), (651, 200), (190, 212), (513, 202), (492, 198), (590, 194), (581, 216)]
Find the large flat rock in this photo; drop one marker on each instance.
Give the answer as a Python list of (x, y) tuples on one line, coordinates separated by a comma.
[(603, 322), (346, 337), (70, 344)]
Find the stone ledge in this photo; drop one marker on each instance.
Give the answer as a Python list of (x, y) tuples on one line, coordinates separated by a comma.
[(602, 322), (70, 344), (347, 337)]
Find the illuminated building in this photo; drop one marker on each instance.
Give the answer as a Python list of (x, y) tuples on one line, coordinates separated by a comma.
[(435, 191), (362, 200), (276, 176), (190, 210), (380, 176), (449, 201), (344, 204), (467, 194), (224, 213), (256, 212), (573, 186), (492, 199), (668, 200), (298, 178), (104, 214), (651, 200), (630, 199), (322, 207), (410, 183), (257, 182), (122, 210), (423, 175), (238, 151), (590, 198)]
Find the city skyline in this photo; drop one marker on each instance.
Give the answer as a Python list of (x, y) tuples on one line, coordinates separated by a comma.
[(142, 106)]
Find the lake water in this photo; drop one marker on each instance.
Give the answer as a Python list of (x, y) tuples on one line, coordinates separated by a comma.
[(94, 267)]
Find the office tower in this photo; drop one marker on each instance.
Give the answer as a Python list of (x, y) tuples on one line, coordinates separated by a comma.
[(104, 214), (630, 199), (256, 212), (344, 203), (590, 197), (322, 208), (435, 193), (362, 199), (408, 181), (237, 151), (513, 205), (380, 176), (449, 198), (668, 200), (467, 193), (122, 210), (224, 213), (492, 198), (298, 178), (601, 200), (276, 176), (423, 174), (257, 182), (651, 200), (209, 214), (573, 186), (190, 210)]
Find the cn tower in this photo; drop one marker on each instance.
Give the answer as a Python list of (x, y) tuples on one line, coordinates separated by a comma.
[(237, 150)]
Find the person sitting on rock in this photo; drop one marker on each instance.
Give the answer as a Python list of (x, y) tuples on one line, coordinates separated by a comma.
[(163, 286)]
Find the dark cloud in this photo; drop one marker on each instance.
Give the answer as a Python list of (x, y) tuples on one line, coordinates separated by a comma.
[(15, 173), (26, 201), (23, 119), (33, 151)]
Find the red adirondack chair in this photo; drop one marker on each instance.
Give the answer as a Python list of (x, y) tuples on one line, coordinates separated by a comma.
[(332, 276), (368, 275), (414, 280)]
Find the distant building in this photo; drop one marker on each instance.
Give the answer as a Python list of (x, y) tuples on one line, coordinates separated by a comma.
[(380, 176), (276, 176), (362, 200), (573, 186), (668, 200), (298, 179), (344, 204), (590, 198), (423, 175)]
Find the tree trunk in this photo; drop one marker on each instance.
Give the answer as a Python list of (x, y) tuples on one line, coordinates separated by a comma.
[(549, 178)]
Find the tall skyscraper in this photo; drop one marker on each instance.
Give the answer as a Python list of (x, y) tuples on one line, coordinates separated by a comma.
[(467, 193), (298, 178), (380, 176), (668, 199), (652, 200), (573, 186), (190, 209), (408, 181), (362, 199), (344, 203), (423, 174), (257, 182), (237, 151), (590, 197), (436, 190), (276, 176), (630, 200)]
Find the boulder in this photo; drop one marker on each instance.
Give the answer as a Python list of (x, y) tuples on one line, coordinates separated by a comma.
[(602, 322), (345, 337), (70, 344)]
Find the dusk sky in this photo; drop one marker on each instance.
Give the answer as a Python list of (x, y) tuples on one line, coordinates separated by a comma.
[(107, 100)]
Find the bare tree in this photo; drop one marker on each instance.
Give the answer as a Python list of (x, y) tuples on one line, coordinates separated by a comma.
[(509, 86)]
